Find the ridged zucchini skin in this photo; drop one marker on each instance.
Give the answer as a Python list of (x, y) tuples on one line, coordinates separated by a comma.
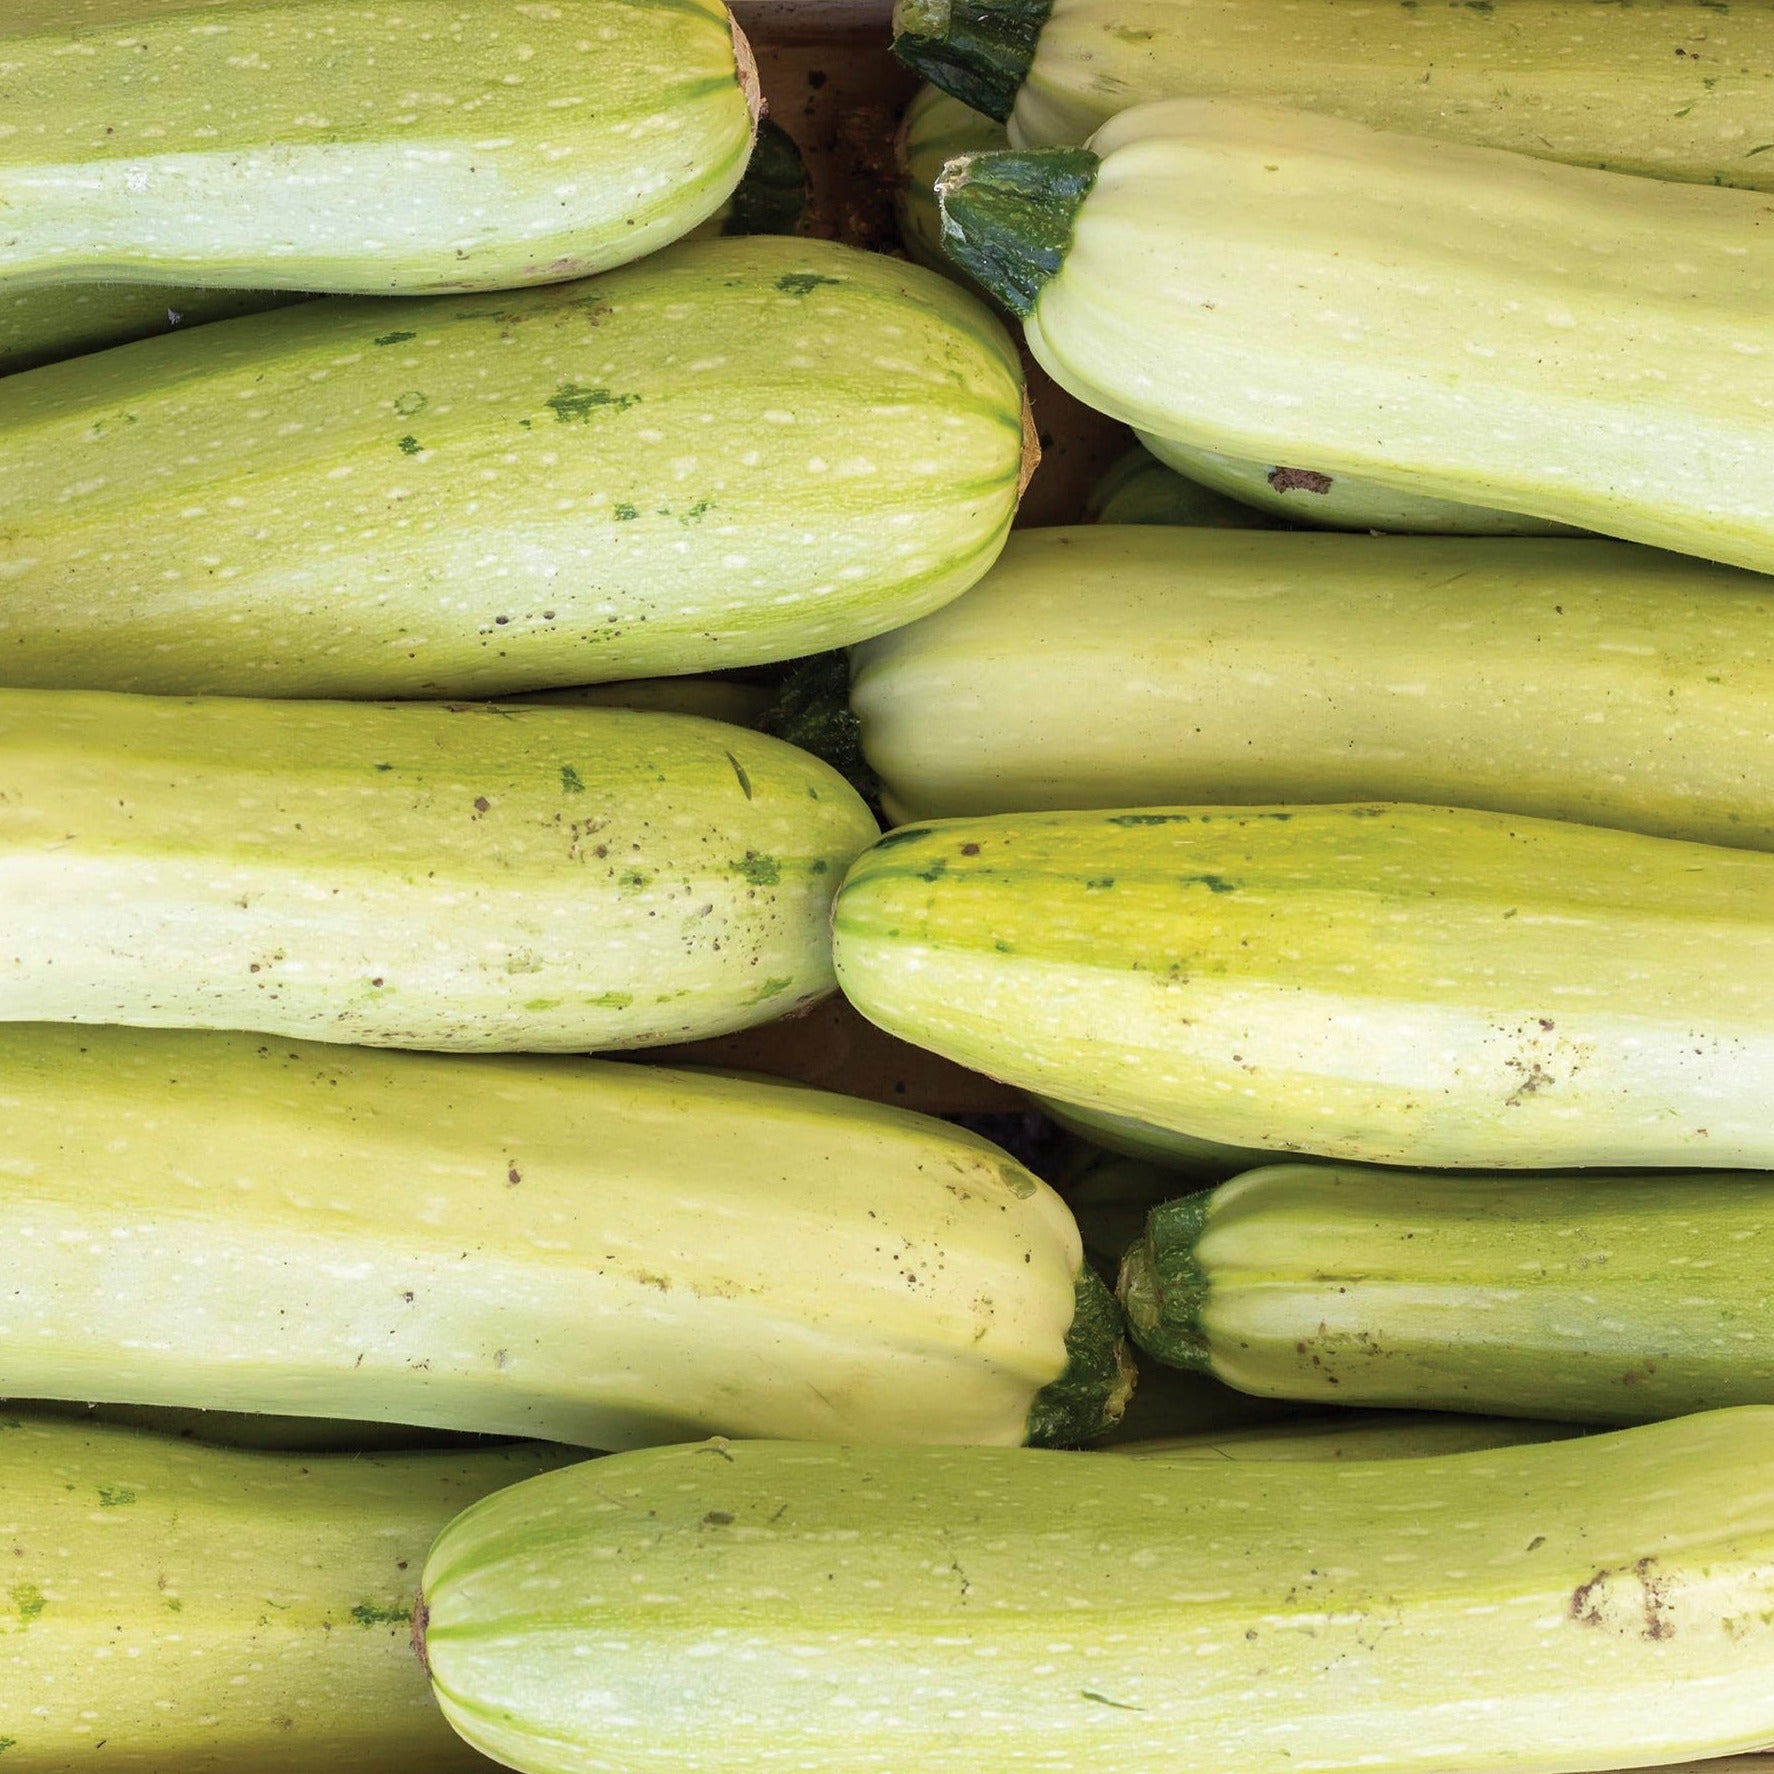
[(1569, 1606), (740, 450), (169, 1606), (425, 875), (1591, 83), (589, 1252), (1341, 501), (320, 145), (1384, 984), (1140, 489), (1582, 1297), (1122, 666), (1352, 1435), (1582, 346)]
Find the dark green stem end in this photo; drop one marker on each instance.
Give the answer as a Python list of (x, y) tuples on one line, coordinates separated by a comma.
[(773, 196), (1163, 1288), (977, 51), (1091, 1393), (1007, 217), (812, 710)]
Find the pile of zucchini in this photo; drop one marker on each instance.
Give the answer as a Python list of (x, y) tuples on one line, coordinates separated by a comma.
[(491, 592)]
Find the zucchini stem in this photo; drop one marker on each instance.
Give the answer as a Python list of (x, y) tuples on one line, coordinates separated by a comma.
[(812, 710), (977, 51), (1098, 1379), (1007, 216), (1162, 1287)]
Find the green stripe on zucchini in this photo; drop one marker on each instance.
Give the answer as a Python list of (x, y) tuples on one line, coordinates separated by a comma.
[(738, 451), (1395, 984), (314, 144), (754, 1605), (585, 1251), (1584, 1297)]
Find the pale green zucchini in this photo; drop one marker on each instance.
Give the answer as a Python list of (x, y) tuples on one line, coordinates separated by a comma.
[(740, 450), (1160, 1146), (1582, 346), (260, 1430), (1352, 1435), (589, 1252), (1341, 501), (1128, 666), (715, 699), (1677, 89), (1139, 489), (48, 322), (412, 874), (320, 145), (1393, 984), (1572, 1605), (168, 1607), (1590, 1298)]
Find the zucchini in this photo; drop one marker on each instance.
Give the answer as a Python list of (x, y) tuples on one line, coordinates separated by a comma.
[(472, 496), (585, 1251), (1110, 1197), (412, 874), (1584, 81), (1341, 501), (1571, 1605), (1172, 1152), (1589, 1298), (251, 1429), (48, 322), (935, 129), (170, 1606), (1456, 322), (1132, 666), (1139, 489), (1388, 984), (320, 145), (1352, 1435), (716, 699)]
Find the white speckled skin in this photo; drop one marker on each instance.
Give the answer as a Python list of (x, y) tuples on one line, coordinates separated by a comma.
[(330, 145), (1136, 666), (1457, 322), (739, 450), (1389, 984), (412, 875), (603, 1254), (758, 1607), (1678, 89), (169, 1606)]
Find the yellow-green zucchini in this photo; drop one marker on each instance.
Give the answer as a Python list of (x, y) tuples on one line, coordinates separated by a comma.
[(1677, 89), (1393, 984), (165, 1606), (1340, 501), (1352, 1435), (1456, 322), (412, 874), (45, 323), (1140, 489), (1136, 665), (323, 145), (1585, 1297), (585, 1251), (716, 699), (755, 1606), (739, 450), (262, 1430)]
